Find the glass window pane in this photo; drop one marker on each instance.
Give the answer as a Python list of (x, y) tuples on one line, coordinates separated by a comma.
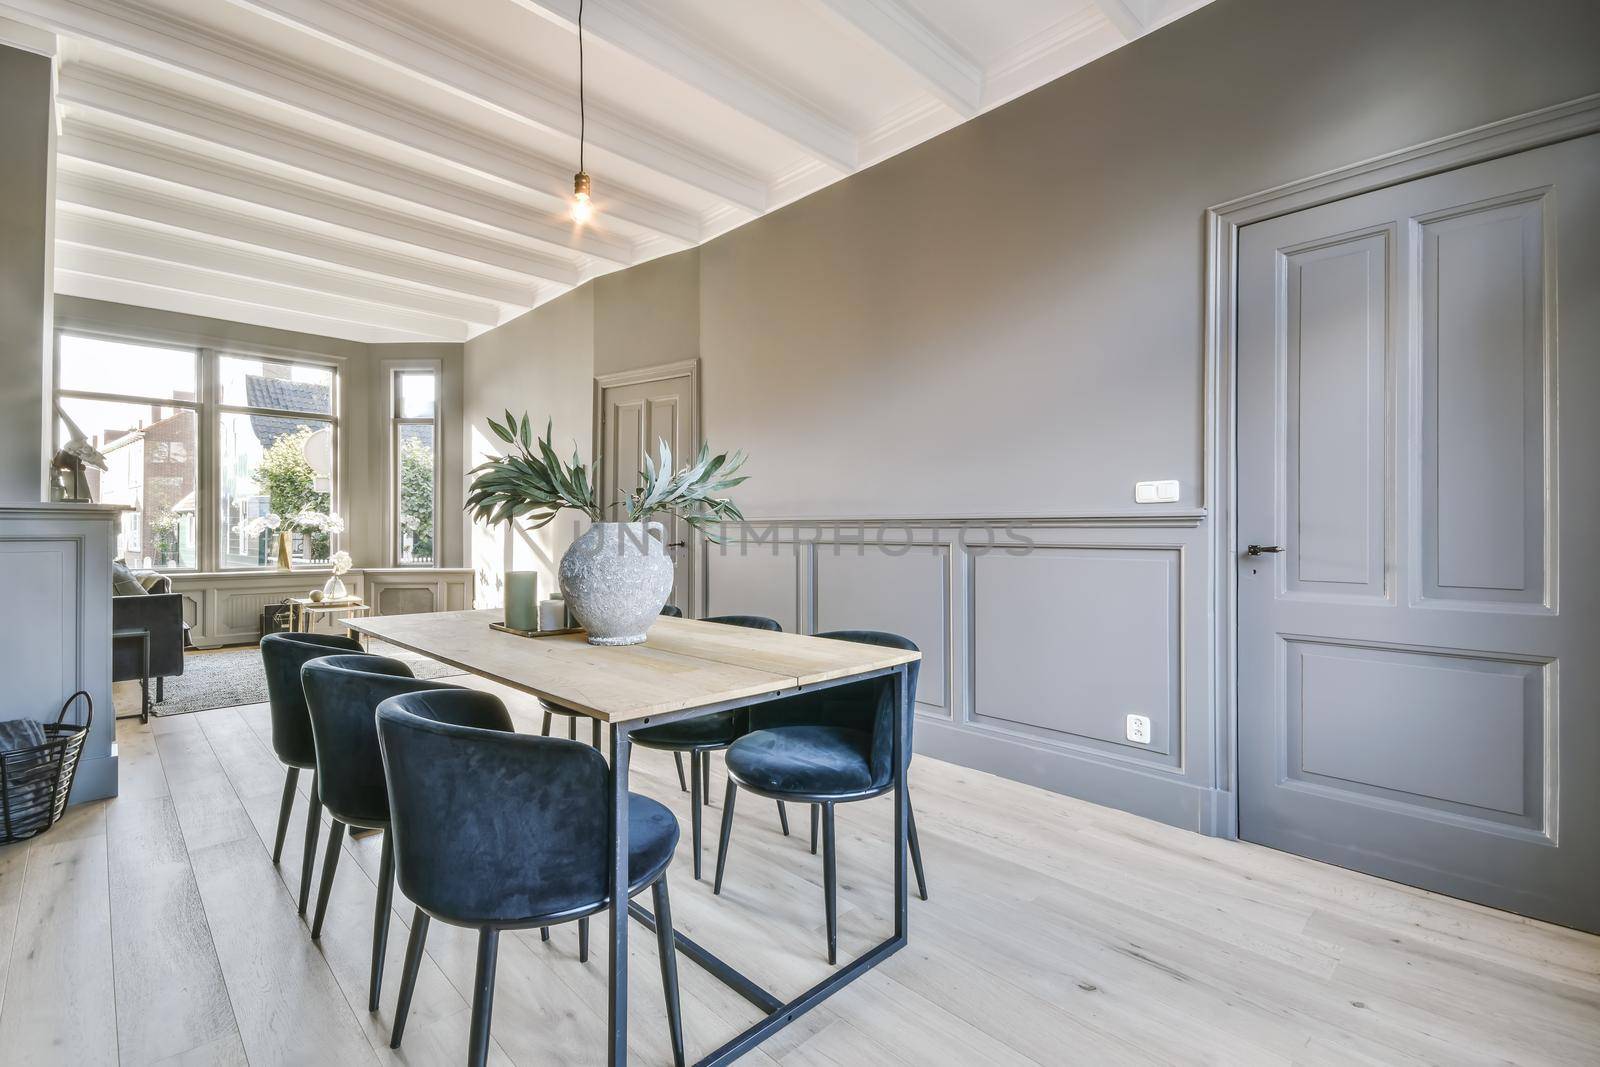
[(273, 465), (152, 466), (414, 394), (277, 384), (92, 365), (416, 493)]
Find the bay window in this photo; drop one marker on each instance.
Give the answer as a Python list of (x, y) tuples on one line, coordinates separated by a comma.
[(202, 446)]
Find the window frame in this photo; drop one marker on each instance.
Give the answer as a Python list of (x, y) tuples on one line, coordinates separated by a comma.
[(392, 370), (215, 356), (197, 406), (209, 410)]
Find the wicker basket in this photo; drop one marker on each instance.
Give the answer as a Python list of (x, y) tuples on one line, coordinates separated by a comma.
[(35, 782)]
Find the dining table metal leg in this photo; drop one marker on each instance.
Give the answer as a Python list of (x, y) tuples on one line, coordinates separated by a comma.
[(696, 801), (617, 979)]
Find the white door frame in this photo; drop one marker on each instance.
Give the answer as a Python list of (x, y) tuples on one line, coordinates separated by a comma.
[(1535, 129), (658, 373)]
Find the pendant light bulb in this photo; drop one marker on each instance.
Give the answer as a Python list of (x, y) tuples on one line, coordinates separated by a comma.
[(582, 207)]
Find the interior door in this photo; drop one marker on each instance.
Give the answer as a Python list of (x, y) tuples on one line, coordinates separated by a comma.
[(633, 418), (1419, 654)]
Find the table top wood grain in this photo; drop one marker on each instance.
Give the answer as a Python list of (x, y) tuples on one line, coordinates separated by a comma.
[(683, 663)]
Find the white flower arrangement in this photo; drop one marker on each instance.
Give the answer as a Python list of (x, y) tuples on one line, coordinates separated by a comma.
[(341, 562), (317, 522), (410, 523), (261, 524)]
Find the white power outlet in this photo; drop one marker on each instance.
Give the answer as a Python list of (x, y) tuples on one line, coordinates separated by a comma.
[(1139, 729)]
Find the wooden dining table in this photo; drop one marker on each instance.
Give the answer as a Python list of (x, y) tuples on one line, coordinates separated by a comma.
[(684, 669)]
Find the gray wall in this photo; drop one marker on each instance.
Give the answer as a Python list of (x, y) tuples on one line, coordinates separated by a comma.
[(27, 168), (363, 429), (1007, 321), (541, 363)]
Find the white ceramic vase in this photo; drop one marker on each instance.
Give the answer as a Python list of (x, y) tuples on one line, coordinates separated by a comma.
[(616, 578)]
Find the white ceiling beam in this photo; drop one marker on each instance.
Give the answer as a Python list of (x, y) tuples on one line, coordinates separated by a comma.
[(1120, 15), (364, 222), (104, 263), (951, 75), (123, 291), (230, 64), (107, 196), (430, 55), (90, 93), (131, 239), (630, 27)]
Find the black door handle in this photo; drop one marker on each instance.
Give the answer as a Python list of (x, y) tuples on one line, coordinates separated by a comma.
[(677, 544), (1261, 550)]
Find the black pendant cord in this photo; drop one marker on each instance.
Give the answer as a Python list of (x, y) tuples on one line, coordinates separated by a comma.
[(582, 118)]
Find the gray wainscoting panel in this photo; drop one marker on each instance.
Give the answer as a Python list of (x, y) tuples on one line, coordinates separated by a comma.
[(1070, 640), (1461, 734), (901, 588), (745, 578), (1483, 369), (1039, 637), (1335, 322), (41, 573)]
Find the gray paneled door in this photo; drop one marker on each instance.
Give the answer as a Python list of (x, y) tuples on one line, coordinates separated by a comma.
[(1419, 441), (633, 417)]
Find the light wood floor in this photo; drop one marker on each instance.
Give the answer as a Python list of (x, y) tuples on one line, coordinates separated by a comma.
[(153, 928)]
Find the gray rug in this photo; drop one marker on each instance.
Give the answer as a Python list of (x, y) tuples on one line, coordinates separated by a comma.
[(228, 677)]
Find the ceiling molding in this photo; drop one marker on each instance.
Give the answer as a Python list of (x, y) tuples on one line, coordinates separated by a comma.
[(432, 55), (14, 34), (144, 294), (194, 51), (951, 75), (134, 239), (90, 93), (1064, 46), (630, 27), (362, 222), (1120, 15), (105, 263), (105, 195)]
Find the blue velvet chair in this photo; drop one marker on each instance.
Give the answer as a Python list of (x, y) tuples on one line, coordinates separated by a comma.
[(283, 655), (702, 736), (495, 830), (342, 695), (828, 747), (551, 710)]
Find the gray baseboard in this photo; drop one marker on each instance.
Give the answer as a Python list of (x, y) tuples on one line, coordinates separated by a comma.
[(1149, 794), (96, 779)]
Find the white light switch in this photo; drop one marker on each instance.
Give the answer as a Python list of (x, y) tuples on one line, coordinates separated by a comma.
[(1155, 492), (1139, 729)]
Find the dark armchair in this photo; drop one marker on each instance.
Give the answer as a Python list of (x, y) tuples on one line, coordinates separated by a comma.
[(159, 611)]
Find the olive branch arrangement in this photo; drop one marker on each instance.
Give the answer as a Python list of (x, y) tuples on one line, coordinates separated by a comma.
[(532, 484)]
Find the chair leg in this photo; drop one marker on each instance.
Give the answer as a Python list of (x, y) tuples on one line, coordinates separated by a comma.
[(161, 689), (916, 849), (683, 784), (483, 997), (696, 798), (380, 919), (727, 834), (313, 831), (545, 730), (572, 727), (408, 979), (289, 781), (544, 933), (816, 813), (667, 949), (596, 723), (830, 883), (783, 818), (583, 940), (705, 775), (330, 864)]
